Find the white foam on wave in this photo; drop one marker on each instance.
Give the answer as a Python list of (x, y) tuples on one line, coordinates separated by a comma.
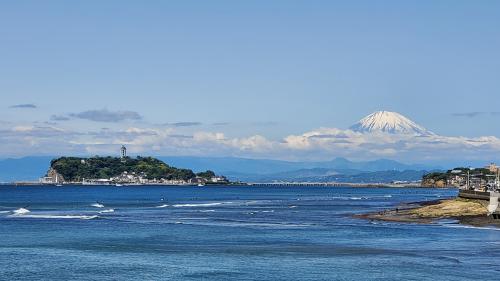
[(162, 206), (5, 212), (107, 211), (20, 211), (97, 205), (41, 216), (207, 211), (200, 204), (25, 213), (356, 197)]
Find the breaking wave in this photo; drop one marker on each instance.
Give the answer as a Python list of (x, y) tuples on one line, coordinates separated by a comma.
[(201, 204), (20, 212), (97, 205), (58, 217), (25, 213), (107, 211)]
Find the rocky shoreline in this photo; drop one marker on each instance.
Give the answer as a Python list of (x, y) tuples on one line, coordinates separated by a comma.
[(466, 211)]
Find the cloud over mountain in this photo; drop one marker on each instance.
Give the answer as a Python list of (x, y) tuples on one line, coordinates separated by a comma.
[(390, 134), (386, 136)]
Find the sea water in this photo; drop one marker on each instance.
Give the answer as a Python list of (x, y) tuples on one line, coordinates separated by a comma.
[(232, 233)]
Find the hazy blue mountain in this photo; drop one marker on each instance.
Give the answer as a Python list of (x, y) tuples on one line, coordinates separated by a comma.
[(225, 164), (295, 175), (31, 168), (371, 177), (27, 168), (264, 166)]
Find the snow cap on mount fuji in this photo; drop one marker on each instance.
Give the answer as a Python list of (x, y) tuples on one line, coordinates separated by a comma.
[(389, 122)]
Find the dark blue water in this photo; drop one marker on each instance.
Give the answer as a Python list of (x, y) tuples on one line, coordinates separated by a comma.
[(236, 233)]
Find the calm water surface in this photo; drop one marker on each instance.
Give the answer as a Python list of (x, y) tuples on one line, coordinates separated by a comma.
[(236, 233)]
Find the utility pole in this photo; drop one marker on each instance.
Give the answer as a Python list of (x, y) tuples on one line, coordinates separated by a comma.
[(468, 178)]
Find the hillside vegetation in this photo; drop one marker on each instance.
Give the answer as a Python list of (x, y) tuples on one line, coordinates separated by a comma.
[(76, 169)]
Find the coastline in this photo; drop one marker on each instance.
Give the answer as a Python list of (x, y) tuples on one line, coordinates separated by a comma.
[(466, 211), (271, 184)]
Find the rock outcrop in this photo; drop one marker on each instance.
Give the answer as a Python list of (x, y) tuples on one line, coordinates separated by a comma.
[(55, 176)]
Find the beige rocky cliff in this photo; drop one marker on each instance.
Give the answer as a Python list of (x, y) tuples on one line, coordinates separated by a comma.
[(467, 211), (434, 183), (55, 176)]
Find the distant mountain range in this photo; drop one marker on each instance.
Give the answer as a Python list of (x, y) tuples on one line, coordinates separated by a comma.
[(265, 166), (326, 175), (27, 168), (338, 169)]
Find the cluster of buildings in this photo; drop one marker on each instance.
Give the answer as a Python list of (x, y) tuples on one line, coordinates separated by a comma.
[(486, 179), (133, 178), (127, 178)]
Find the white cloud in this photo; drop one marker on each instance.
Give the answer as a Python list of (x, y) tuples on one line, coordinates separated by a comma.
[(319, 144), (337, 142), (23, 128)]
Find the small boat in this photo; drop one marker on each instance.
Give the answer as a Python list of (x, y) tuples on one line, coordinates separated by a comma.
[(59, 185), (201, 185), (118, 185)]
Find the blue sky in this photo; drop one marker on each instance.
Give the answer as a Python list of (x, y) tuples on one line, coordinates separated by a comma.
[(244, 68)]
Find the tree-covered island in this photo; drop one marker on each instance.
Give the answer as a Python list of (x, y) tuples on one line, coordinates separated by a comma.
[(124, 170)]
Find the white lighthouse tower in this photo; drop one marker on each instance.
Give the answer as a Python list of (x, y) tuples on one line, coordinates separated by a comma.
[(123, 153)]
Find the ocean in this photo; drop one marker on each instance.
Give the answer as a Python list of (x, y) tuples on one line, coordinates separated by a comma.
[(232, 233)]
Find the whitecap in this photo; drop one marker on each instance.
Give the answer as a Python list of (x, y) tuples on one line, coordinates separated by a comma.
[(292, 207), (20, 211), (162, 206), (97, 205), (41, 216), (200, 205), (107, 211)]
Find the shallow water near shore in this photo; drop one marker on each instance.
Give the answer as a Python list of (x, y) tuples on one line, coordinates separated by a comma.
[(232, 233)]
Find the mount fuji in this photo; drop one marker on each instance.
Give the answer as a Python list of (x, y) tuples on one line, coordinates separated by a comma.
[(389, 122)]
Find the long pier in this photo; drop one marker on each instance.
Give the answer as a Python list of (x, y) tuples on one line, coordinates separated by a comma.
[(268, 184), (329, 184)]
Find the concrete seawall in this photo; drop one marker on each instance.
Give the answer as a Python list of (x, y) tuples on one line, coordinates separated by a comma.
[(471, 194)]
